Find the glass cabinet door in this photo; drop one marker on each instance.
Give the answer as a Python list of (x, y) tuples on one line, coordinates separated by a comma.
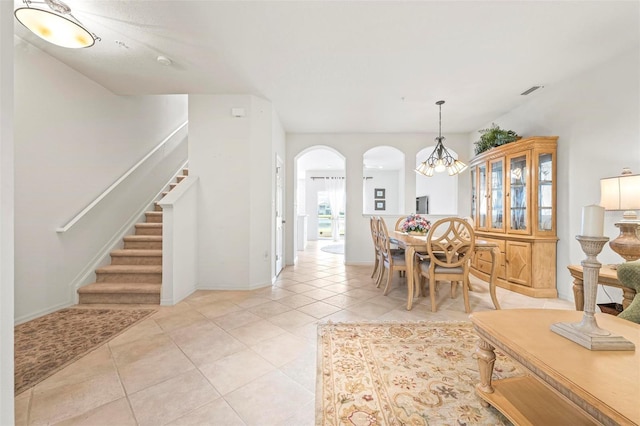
[(482, 196), (545, 192), (518, 194), (496, 195), (474, 198)]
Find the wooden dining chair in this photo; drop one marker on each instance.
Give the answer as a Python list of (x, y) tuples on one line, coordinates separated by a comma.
[(399, 223), (450, 246), (391, 260), (373, 224)]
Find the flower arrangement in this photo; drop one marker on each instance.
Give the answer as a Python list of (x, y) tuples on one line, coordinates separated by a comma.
[(416, 224)]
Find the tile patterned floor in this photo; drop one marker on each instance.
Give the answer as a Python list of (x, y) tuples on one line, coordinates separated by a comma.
[(234, 357)]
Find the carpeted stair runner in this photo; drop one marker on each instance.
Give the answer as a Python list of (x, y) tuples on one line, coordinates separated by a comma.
[(135, 273)]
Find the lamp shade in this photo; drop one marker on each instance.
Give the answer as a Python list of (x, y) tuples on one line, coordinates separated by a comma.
[(54, 28), (620, 192)]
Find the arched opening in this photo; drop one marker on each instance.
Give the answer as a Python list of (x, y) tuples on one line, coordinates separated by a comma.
[(320, 198), (383, 181), (438, 194)]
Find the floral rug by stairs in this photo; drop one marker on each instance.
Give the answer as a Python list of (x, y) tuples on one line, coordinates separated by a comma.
[(45, 345), (421, 373)]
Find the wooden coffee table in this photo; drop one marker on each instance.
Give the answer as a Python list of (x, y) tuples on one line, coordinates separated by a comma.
[(566, 384)]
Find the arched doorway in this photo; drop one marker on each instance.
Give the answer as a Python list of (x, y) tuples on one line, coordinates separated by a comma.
[(320, 198)]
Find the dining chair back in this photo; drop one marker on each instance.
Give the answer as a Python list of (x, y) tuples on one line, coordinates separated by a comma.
[(450, 246), (373, 224), (391, 260), (470, 221)]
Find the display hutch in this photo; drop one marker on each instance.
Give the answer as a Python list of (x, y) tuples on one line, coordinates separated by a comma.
[(513, 204)]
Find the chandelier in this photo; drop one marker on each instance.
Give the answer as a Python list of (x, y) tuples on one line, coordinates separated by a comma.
[(440, 159), (56, 25)]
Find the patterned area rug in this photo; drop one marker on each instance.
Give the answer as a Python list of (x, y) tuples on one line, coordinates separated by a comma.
[(421, 373), (49, 343)]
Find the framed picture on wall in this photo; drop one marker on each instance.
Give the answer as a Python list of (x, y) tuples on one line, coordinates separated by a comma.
[(379, 193), (381, 204)]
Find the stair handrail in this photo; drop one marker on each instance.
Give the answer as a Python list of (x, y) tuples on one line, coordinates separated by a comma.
[(106, 192)]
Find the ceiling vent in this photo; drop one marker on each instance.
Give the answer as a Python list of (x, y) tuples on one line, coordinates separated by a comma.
[(531, 89)]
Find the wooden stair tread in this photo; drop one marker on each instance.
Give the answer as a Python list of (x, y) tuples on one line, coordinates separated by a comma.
[(143, 238), (120, 288), (138, 269), (149, 224), (136, 252)]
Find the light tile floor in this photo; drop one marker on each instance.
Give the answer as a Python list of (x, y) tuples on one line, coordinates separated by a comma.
[(235, 357)]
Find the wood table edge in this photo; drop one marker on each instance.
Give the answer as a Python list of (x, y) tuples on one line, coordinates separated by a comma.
[(534, 366)]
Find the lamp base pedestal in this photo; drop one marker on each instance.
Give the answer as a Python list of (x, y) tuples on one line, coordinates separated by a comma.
[(586, 332), (627, 243), (592, 340)]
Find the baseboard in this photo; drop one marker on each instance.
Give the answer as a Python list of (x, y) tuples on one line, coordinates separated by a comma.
[(23, 319), (359, 263), (174, 301), (233, 287)]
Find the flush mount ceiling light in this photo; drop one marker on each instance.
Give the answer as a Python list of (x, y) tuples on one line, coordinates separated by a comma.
[(440, 159), (56, 25)]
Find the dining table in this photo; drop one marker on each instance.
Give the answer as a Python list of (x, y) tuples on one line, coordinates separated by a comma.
[(418, 243)]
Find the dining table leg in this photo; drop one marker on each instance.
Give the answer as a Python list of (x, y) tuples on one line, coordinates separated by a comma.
[(409, 258)]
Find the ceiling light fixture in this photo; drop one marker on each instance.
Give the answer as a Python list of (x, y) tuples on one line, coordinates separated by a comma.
[(57, 25), (440, 159)]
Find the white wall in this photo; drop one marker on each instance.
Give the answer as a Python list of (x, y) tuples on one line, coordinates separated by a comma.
[(389, 180), (596, 116), (352, 147), (6, 214), (73, 140), (235, 162), (180, 241)]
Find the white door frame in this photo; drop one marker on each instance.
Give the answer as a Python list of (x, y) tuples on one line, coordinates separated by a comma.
[(279, 210)]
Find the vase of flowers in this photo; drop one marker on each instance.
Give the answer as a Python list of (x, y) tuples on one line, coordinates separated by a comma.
[(416, 225)]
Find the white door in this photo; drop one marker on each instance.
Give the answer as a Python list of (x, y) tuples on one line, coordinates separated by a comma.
[(279, 215)]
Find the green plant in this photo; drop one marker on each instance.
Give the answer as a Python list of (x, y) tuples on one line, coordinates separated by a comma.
[(494, 136)]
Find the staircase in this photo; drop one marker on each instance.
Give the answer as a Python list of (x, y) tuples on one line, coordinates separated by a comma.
[(135, 273)]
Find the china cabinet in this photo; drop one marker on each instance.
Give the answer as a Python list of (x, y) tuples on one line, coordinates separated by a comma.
[(513, 203)]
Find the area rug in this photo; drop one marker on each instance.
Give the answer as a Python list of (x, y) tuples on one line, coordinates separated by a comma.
[(421, 373), (334, 248), (49, 343)]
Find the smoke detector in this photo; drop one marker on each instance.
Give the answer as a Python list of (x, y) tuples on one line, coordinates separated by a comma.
[(163, 60)]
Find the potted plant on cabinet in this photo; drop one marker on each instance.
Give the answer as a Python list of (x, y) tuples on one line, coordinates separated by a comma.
[(494, 136)]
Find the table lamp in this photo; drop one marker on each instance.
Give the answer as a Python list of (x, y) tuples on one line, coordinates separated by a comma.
[(623, 193)]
